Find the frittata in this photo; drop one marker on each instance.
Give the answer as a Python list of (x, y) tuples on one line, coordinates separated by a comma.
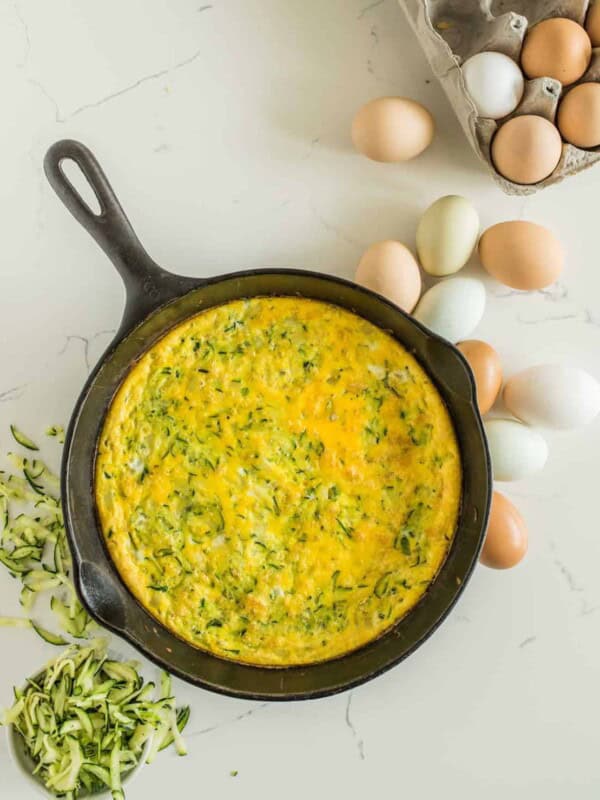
[(278, 481)]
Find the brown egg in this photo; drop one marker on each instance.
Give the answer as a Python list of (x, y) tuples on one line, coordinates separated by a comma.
[(592, 24), (526, 149), (521, 254), (556, 48), (392, 129), (390, 269), (579, 115), (506, 539), (487, 370)]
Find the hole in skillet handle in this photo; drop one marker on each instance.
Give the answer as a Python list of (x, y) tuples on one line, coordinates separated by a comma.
[(75, 175), (81, 186), (147, 285)]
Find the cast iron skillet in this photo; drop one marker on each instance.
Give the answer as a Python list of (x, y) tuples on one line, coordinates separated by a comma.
[(157, 300)]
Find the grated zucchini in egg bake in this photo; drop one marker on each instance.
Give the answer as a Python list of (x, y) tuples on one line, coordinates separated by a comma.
[(278, 481)]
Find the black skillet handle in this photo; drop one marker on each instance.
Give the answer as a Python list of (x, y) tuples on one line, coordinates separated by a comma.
[(146, 284)]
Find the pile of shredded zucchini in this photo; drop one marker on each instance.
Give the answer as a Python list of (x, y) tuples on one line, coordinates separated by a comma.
[(33, 542), (86, 720)]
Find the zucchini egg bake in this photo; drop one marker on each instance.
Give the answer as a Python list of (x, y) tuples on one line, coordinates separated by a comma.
[(278, 481)]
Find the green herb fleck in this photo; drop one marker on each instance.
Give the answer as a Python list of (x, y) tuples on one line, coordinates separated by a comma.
[(402, 542), (382, 587), (346, 528)]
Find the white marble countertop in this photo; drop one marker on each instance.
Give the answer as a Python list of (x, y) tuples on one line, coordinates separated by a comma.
[(224, 128)]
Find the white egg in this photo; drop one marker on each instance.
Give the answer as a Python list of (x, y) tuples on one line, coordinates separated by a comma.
[(452, 308), (447, 234), (495, 84), (516, 450), (553, 396)]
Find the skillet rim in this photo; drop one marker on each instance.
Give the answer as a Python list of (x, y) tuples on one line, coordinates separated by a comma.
[(188, 287)]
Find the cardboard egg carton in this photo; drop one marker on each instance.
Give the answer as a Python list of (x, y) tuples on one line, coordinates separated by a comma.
[(451, 31)]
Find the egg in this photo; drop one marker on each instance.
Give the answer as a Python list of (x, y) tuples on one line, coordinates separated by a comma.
[(579, 115), (526, 149), (553, 396), (506, 538), (487, 371), (446, 235), (390, 269), (592, 24), (494, 82), (516, 450), (392, 129), (452, 308), (556, 48), (521, 254)]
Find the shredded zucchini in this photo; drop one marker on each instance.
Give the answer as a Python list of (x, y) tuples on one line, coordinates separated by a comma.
[(48, 636), (22, 439), (33, 542), (85, 721), (14, 622), (56, 431)]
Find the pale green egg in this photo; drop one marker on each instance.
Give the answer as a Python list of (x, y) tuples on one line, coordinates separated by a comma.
[(447, 235)]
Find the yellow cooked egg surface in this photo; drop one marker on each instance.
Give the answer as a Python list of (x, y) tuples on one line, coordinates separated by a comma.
[(278, 481)]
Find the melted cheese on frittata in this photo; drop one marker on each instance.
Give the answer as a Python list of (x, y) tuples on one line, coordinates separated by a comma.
[(278, 481)]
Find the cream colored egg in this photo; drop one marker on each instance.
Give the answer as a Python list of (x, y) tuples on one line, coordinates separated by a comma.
[(452, 308), (390, 269), (553, 396), (521, 254), (506, 538), (446, 235), (392, 129), (516, 450)]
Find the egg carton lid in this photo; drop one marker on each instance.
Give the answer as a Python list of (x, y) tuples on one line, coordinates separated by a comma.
[(451, 31)]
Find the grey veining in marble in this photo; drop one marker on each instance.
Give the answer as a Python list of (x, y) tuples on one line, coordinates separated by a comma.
[(224, 128)]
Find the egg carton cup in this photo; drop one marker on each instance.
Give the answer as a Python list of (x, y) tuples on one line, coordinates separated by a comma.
[(451, 31)]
